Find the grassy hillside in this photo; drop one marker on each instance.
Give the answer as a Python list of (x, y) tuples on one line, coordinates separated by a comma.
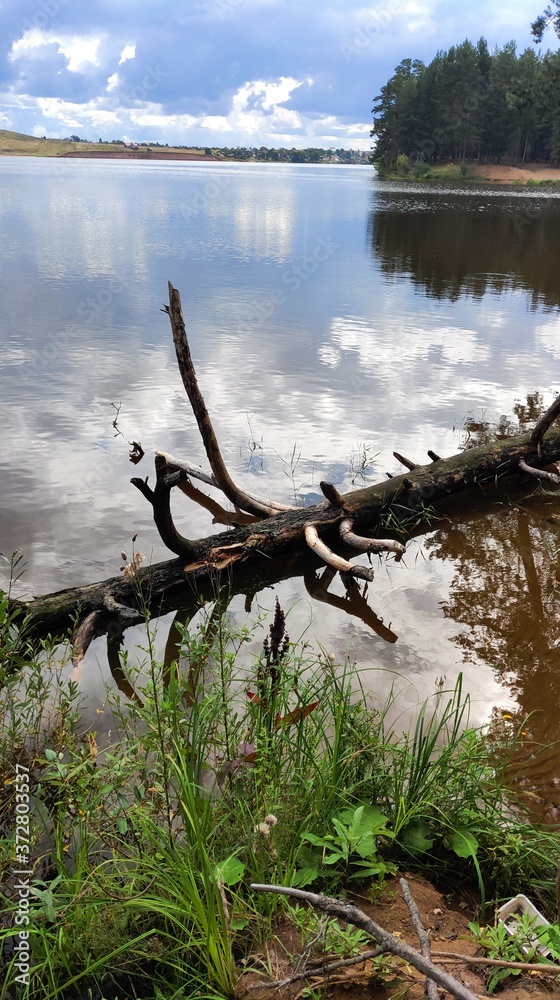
[(18, 144)]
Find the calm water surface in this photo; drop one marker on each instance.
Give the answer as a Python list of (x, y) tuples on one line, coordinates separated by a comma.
[(332, 318)]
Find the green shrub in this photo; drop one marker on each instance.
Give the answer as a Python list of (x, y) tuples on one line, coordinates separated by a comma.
[(402, 165)]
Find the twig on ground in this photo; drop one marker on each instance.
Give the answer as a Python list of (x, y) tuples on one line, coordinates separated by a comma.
[(320, 970), (452, 956), (431, 988), (344, 910)]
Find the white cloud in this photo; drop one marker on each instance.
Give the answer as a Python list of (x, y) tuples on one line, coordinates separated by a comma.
[(152, 115), (218, 122), (129, 52), (256, 115), (548, 336), (76, 115), (79, 50)]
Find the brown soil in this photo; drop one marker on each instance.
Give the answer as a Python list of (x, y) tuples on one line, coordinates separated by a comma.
[(509, 175), (446, 919), (136, 154)]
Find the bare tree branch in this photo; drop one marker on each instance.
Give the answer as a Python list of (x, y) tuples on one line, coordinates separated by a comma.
[(327, 555), (452, 956), (176, 464), (344, 910), (542, 425), (319, 970), (210, 441), (368, 544), (160, 501), (431, 988), (538, 473)]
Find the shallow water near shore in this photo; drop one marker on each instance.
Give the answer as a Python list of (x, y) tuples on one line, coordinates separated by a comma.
[(332, 318)]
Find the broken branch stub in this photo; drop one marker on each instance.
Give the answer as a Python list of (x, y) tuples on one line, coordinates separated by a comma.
[(160, 501), (368, 544), (327, 555)]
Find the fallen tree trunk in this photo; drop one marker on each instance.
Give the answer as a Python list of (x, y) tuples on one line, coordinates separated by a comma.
[(400, 506)]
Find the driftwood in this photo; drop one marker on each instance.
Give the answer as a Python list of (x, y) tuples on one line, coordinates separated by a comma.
[(270, 532)]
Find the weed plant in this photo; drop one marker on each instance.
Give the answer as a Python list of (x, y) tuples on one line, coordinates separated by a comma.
[(144, 848)]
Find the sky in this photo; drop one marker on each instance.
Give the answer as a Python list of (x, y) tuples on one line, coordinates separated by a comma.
[(226, 72)]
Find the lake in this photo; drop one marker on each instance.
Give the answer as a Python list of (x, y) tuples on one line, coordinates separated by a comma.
[(332, 318)]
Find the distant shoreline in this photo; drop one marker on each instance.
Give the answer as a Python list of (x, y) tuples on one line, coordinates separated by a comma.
[(136, 154), (528, 175)]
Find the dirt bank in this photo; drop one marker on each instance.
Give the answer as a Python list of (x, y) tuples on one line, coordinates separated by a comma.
[(446, 919), (511, 175), (136, 154)]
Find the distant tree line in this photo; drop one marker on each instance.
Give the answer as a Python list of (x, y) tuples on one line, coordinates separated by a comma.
[(470, 104), (281, 155)]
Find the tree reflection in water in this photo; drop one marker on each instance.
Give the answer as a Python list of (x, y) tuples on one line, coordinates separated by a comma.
[(506, 591), (454, 245)]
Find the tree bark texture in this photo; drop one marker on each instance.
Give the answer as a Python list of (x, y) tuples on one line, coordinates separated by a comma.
[(400, 506)]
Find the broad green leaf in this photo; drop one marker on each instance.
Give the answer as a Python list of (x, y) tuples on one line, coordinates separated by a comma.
[(366, 847), (305, 876), (463, 842), (332, 859), (230, 871), (317, 841), (415, 837)]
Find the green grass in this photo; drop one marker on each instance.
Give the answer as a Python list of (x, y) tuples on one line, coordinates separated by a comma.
[(19, 144), (215, 778)]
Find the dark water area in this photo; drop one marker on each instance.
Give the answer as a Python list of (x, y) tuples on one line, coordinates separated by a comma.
[(332, 319), (453, 245)]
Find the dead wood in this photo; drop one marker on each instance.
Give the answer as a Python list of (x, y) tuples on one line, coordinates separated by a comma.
[(320, 971), (551, 477), (343, 910), (209, 439), (544, 423), (256, 552), (252, 552), (431, 988), (327, 555)]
